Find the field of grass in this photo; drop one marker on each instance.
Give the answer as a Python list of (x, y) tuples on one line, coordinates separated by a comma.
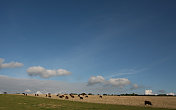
[(157, 101), (19, 102)]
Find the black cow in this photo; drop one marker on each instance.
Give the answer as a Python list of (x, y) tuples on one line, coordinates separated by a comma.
[(101, 96), (147, 102), (81, 97), (60, 96), (86, 96), (72, 96)]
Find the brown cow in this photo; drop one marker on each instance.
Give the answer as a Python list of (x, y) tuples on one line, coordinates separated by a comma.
[(66, 97), (101, 96)]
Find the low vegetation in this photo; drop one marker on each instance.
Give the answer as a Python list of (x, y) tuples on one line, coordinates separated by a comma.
[(19, 102)]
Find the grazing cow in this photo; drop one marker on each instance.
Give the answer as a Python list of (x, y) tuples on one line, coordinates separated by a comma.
[(37, 94), (86, 96), (66, 97), (101, 96), (26, 94), (46, 95), (49, 96), (147, 102), (71, 96), (23, 93), (81, 97), (60, 96)]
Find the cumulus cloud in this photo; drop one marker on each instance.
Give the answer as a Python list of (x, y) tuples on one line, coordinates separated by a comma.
[(95, 80), (117, 82), (45, 73), (27, 90), (10, 64)]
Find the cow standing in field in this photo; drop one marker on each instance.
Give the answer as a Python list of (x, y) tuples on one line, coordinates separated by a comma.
[(71, 96), (147, 102), (66, 97), (46, 95), (101, 96), (49, 95), (86, 96), (81, 97), (60, 96)]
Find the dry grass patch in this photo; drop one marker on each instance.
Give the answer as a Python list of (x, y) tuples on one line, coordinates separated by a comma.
[(157, 101)]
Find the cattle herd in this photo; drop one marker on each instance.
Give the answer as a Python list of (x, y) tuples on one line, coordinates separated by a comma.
[(81, 97)]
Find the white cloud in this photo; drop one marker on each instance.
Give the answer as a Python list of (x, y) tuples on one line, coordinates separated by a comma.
[(44, 73), (27, 90), (10, 64), (119, 82), (95, 80)]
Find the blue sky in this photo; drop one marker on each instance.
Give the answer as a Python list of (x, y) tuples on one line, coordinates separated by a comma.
[(114, 39)]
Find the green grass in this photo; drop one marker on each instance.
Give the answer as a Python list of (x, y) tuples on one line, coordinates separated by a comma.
[(18, 102)]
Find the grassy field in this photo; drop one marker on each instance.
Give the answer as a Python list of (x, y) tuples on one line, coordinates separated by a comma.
[(19, 102), (157, 101)]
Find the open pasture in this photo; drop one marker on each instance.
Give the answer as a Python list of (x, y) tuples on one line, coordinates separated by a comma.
[(157, 101), (19, 102)]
